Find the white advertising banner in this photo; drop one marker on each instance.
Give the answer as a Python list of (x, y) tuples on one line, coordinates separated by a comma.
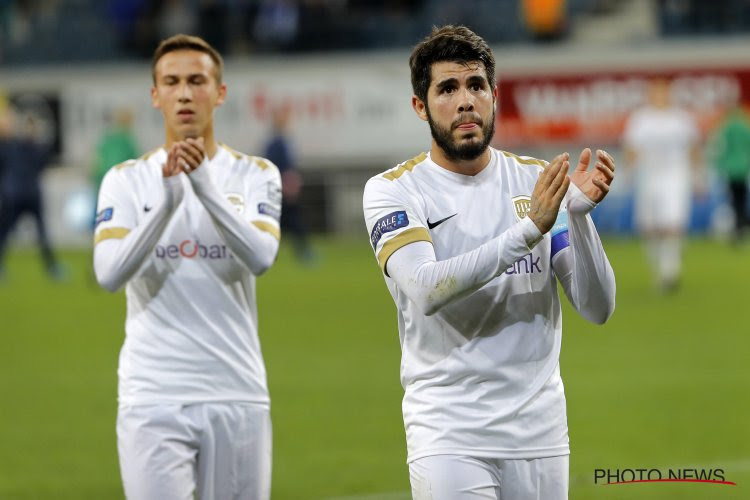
[(338, 119)]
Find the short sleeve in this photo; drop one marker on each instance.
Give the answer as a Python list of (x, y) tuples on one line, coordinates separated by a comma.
[(393, 218)]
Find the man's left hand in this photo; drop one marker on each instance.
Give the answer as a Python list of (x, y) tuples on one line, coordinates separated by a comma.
[(191, 153), (594, 183)]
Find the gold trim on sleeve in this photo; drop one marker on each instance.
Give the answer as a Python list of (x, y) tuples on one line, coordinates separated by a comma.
[(111, 233), (409, 236), (267, 227)]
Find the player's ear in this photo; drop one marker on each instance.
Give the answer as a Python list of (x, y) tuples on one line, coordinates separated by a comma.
[(420, 107), (155, 98), (495, 96), (222, 94)]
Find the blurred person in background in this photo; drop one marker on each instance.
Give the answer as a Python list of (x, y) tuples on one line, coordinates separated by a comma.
[(117, 145), (279, 150), (546, 20), (730, 150), (661, 142), (184, 229), (472, 242), (23, 157)]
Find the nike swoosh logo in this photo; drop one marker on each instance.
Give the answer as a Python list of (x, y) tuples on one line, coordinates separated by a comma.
[(433, 225), (146, 208)]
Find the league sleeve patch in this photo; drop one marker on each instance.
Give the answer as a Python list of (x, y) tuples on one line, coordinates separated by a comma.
[(270, 210), (559, 232), (390, 222), (274, 193), (104, 215)]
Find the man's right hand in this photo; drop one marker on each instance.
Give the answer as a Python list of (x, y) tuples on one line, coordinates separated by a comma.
[(172, 167), (548, 193)]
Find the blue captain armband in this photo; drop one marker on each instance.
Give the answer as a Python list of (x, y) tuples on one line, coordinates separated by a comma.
[(559, 232)]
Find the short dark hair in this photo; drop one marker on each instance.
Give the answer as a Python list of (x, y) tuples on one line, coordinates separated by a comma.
[(448, 43), (187, 42)]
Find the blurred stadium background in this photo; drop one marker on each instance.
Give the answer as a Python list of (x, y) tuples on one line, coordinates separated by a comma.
[(663, 385)]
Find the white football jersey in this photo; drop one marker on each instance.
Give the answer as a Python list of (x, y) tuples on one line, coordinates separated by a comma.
[(481, 376), (192, 326), (663, 139)]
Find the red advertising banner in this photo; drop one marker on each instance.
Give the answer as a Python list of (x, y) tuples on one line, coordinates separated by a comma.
[(591, 107)]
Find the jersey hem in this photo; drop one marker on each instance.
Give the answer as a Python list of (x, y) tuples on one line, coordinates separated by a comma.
[(188, 401), (503, 454)]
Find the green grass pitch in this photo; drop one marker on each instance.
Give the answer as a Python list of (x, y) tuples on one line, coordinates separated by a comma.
[(664, 384)]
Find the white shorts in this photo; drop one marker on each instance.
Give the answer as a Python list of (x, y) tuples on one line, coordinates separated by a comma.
[(456, 477), (208, 451)]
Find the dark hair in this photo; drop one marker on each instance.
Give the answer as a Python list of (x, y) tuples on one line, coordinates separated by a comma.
[(449, 43), (187, 42)]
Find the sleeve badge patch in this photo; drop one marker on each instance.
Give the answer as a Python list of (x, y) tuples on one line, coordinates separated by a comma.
[(274, 193), (104, 215), (390, 222), (270, 210)]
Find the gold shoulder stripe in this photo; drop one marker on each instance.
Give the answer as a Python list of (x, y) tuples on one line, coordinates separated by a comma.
[(262, 163), (111, 233), (407, 166), (232, 152), (403, 239), (149, 154), (132, 163), (525, 161), (127, 163), (269, 228)]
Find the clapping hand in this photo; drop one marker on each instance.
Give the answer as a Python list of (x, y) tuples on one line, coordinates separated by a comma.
[(594, 183)]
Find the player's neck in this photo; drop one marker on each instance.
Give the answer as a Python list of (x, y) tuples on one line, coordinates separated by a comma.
[(465, 167)]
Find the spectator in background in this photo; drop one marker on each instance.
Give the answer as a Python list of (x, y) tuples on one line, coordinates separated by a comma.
[(279, 151), (176, 16), (277, 23), (116, 145), (731, 157), (23, 156), (661, 142), (546, 20)]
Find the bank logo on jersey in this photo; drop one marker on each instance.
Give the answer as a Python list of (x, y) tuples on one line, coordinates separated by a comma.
[(522, 204), (237, 201), (390, 222), (189, 249), (525, 265), (104, 215)]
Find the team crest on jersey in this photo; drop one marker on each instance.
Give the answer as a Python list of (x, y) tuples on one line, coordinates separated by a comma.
[(522, 204), (237, 201)]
